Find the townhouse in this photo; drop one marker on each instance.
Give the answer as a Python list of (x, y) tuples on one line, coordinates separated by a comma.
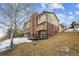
[(42, 25), (76, 25)]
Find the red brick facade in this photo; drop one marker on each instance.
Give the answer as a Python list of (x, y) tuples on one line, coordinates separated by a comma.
[(33, 24), (52, 29)]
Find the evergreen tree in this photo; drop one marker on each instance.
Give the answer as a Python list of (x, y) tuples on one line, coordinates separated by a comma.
[(73, 23)]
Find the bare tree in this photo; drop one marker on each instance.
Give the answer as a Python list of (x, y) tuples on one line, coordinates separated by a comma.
[(13, 16)]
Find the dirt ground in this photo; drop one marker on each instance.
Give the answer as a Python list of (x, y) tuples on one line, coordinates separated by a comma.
[(62, 44)]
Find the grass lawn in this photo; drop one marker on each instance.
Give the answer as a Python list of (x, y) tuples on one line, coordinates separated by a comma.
[(59, 45)]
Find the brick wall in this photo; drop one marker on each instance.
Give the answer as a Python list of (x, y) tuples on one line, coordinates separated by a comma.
[(33, 24), (52, 29)]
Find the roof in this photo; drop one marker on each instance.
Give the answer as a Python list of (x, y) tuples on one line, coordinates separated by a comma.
[(47, 12)]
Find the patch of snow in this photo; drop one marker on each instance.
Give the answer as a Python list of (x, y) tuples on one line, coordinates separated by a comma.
[(69, 30), (6, 43), (20, 40), (72, 30)]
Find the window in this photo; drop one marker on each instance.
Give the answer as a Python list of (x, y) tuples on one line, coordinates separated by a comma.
[(41, 19)]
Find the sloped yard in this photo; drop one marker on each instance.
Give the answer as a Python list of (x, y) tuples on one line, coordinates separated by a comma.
[(62, 44)]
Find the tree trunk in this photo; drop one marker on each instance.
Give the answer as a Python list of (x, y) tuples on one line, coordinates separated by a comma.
[(11, 43)]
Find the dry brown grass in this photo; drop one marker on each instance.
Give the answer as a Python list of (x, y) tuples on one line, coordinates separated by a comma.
[(54, 46)]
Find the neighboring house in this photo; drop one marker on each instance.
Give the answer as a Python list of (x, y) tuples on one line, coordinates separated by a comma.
[(74, 29), (19, 33), (76, 26), (42, 25), (27, 28)]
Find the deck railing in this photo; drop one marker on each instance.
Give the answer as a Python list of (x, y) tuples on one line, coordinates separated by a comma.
[(36, 36)]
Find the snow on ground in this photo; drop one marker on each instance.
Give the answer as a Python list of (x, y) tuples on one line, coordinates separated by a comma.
[(69, 30), (72, 30), (6, 43)]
